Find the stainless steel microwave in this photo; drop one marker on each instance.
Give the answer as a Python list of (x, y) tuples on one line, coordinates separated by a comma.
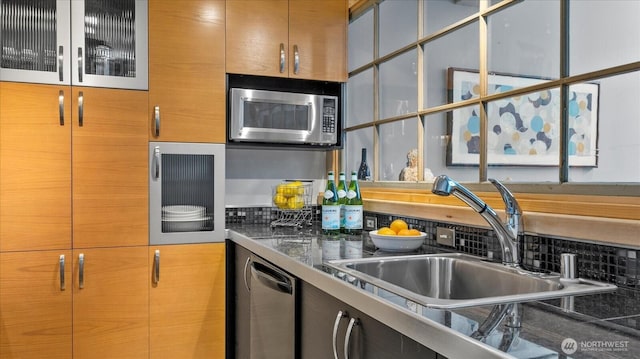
[(280, 117)]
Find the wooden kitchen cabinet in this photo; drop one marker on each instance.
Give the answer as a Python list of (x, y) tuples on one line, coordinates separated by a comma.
[(44, 140), (36, 305), (186, 71), (369, 338), (110, 168), (187, 301), (64, 150), (111, 303), (35, 167), (265, 37)]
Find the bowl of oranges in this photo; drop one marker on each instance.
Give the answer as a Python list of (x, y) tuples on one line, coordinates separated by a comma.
[(397, 237)]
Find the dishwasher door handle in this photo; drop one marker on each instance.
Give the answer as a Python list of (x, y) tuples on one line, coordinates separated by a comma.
[(272, 278)]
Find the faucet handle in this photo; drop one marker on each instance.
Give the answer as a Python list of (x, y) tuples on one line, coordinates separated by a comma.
[(511, 205)]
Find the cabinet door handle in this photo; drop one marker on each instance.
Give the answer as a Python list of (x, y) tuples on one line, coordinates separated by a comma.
[(81, 270), (80, 109), (61, 106), (156, 267), (246, 283), (80, 64), (61, 63), (282, 58), (156, 162), (296, 59), (62, 284), (347, 337), (336, 325), (156, 117)]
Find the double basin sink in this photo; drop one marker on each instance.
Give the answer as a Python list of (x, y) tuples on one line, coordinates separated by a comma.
[(457, 280)]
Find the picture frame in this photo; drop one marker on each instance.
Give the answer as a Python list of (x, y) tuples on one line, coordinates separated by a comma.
[(522, 130)]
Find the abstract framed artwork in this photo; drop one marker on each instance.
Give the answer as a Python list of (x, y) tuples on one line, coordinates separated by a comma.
[(522, 130)]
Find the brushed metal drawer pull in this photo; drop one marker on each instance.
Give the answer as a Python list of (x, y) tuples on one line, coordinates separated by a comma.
[(347, 337), (336, 325), (62, 283), (296, 59), (156, 162), (156, 267), (80, 64), (61, 106), (80, 109), (81, 270), (282, 58), (61, 63), (156, 115)]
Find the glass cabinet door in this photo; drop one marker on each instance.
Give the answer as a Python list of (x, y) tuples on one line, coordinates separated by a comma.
[(35, 42), (186, 193), (109, 43)]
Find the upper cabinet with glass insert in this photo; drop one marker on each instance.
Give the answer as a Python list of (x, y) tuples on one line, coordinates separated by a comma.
[(100, 43)]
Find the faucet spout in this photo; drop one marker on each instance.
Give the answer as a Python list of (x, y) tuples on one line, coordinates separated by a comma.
[(508, 232)]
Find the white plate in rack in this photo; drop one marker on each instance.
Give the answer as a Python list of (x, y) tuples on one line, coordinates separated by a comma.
[(180, 225), (389, 243), (183, 212)]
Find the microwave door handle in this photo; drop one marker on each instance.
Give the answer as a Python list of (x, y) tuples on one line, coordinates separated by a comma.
[(156, 163)]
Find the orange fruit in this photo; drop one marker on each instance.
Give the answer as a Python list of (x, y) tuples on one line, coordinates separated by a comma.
[(409, 232), (386, 231), (398, 225), (415, 232)]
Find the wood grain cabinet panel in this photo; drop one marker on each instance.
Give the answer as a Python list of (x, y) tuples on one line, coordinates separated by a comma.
[(257, 30), (320, 33), (187, 301), (35, 167), (110, 168), (35, 305), (187, 71), (111, 303)]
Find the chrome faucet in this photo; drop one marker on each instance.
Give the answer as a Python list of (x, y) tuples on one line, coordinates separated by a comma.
[(507, 233)]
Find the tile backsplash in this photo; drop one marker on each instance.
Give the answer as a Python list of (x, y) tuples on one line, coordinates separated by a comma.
[(597, 261)]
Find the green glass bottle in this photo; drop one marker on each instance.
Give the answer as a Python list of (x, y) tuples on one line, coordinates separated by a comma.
[(353, 207), (342, 198), (331, 208)]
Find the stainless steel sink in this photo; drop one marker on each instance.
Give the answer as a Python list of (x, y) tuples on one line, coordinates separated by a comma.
[(459, 280)]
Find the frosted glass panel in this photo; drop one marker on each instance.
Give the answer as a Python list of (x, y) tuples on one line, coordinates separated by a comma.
[(110, 40), (398, 150), (188, 195), (439, 14), (357, 140), (361, 41), (615, 123), (524, 39), (458, 49), (360, 99), (603, 34), (395, 33), (398, 85), (29, 35)]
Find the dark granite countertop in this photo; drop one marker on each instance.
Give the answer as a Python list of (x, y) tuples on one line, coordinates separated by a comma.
[(599, 326)]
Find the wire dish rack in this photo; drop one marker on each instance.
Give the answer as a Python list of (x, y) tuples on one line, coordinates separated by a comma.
[(292, 201)]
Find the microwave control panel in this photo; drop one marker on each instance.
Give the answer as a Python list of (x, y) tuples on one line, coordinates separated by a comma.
[(329, 115)]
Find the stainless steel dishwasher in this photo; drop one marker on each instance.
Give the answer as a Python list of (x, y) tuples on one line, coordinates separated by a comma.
[(272, 312)]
